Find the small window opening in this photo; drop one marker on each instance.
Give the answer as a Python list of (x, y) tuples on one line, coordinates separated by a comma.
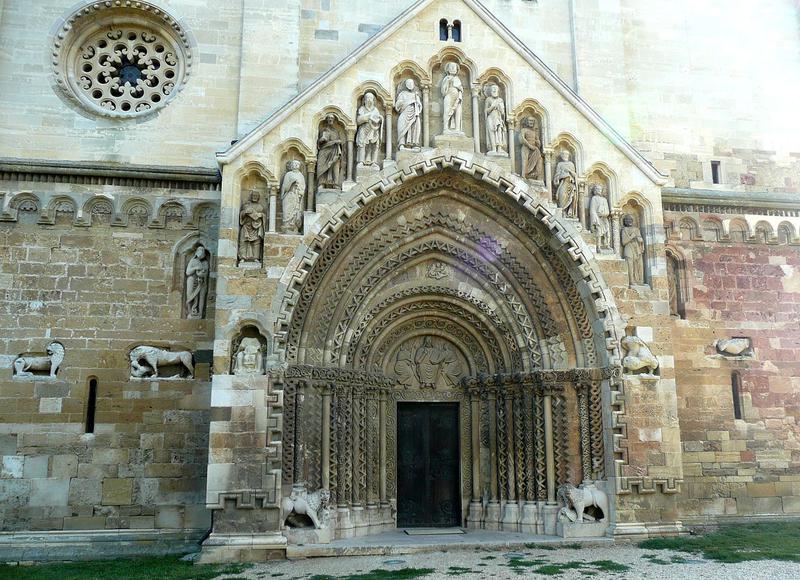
[(715, 175), (736, 392), (91, 405), (443, 32), (456, 31)]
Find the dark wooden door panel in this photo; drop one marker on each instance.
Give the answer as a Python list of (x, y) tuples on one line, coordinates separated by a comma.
[(428, 473)]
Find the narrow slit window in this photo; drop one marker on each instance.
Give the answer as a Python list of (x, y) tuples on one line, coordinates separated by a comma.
[(715, 173), (736, 393), (443, 29), (91, 405), (456, 30)]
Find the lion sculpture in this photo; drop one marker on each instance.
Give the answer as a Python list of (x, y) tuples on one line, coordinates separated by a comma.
[(145, 361), (577, 499), (24, 364), (639, 358), (314, 505)]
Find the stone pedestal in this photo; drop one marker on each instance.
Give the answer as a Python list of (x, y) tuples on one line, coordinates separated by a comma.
[(510, 520), (550, 516), (493, 516), (366, 172), (530, 518), (297, 536), (457, 141), (474, 515), (257, 547), (582, 530)]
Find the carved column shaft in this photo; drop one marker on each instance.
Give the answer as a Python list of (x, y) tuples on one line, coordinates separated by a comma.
[(509, 447), (426, 112), (476, 130), (349, 160), (616, 216), (311, 201), (548, 449), (583, 425), (548, 171), (388, 123), (326, 437), (475, 411), (273, 209), (382, 449), (493, 445), (512, 148)]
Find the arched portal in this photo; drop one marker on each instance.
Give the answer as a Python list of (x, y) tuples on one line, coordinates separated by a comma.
[(440, 285)]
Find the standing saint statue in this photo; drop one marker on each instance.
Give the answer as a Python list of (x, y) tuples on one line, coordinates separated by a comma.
[(252, 220), (565, 181), (598, 217), (452, 91), (409, 121), (197, 284), (370, 130), (531, 150), (329, 155), (496, 128), (293, 188), (633, 250)]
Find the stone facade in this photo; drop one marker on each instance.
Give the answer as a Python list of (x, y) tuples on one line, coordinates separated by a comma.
[(219, 302)]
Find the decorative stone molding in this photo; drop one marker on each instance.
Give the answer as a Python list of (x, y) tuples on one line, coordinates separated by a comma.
[(120, 58)]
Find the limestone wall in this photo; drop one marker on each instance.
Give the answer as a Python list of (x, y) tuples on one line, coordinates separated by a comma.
[(749, 466), (100, 290)]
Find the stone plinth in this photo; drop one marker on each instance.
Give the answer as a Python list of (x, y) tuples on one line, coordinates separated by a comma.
[(457, 141), (582, 530)]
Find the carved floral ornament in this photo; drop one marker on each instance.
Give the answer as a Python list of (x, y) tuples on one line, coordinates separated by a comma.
[(121, 58)]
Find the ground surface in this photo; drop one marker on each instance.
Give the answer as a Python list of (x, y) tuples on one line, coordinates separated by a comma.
[(750, 551)]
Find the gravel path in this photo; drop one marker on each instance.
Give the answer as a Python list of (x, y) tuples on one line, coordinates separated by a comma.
[(598, 562)]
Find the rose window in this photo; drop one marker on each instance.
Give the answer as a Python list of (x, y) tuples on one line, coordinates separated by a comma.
[(118, 69)]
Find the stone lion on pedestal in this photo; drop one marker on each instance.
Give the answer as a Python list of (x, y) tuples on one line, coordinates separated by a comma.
[(575, 500), (314, 505), (25, 363)]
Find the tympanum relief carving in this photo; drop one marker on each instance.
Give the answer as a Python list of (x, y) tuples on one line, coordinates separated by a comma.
[(428, 362)]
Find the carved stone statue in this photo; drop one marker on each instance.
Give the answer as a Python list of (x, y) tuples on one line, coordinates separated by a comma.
[(734, 347), (329, 155), (638, 358), (633, 250), (249, 357), (300, 502), (370, 131), (145, 361), (531, 150), (565, 180), (197, 284), (404, 367), (575, 500), (452, 91), (26, 364), (409, 120), (598, 217), (496, 128), (252, 221), (434, 363), (293, 189)]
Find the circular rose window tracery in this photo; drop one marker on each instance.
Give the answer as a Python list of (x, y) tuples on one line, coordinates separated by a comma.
[(121, 59)]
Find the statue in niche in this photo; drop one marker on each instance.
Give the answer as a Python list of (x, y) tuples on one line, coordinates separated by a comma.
[(531, 150), (197, 284), (293, 189), (249, 357), (633, 250), (565, 181), (452, 91), (598, 217), (638, 358), (329, 156), (673, 287), (409, 121), (252, 220), (370, 129), (496, 128)]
